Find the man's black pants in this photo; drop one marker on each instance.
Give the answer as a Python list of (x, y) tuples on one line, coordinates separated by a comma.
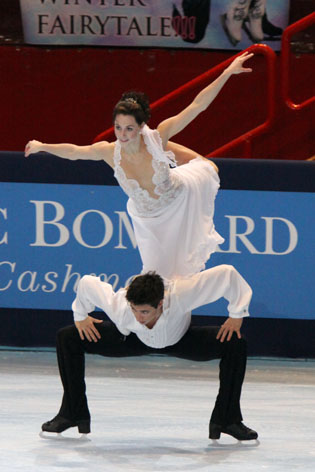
[(198, 344)]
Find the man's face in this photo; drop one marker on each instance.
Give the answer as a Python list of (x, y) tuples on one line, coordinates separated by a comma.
[(146, 314)]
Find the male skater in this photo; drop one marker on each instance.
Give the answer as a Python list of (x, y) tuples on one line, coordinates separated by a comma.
[(153, 315)]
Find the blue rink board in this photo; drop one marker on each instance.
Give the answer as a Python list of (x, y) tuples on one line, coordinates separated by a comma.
[(51, 234)]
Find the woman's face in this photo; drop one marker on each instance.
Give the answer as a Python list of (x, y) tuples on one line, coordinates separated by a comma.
[(126, 129)]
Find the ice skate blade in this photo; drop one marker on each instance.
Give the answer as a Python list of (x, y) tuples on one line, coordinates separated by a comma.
[(59, 437), (84, 437), (45, 435), (241, 444)]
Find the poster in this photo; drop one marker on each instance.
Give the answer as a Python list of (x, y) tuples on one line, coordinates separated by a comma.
[(206, 24)]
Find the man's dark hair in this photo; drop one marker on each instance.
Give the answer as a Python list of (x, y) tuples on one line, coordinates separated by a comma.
[(146, 289)]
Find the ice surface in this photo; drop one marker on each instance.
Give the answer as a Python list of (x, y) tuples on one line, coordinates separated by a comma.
[(151, 413)]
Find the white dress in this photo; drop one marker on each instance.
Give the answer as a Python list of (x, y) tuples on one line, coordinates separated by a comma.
[(175, 232)]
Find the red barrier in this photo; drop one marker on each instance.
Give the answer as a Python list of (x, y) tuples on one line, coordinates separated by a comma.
[(246, 137), (285, 61)]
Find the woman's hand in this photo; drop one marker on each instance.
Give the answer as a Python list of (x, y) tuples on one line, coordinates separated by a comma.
[(173, 125), (32, 147), (236, 67)]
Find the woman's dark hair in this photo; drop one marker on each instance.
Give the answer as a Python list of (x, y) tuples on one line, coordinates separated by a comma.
[(135, 104), (146, 289)]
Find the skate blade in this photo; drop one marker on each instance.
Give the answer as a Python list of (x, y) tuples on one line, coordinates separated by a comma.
[(239, 444), (60, 437)]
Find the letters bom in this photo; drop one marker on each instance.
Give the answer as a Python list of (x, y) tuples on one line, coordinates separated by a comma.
[(124, 221), (51, 281), (235, 236)]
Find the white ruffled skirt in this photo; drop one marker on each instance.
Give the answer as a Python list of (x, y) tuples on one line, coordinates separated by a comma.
[(179, 239)]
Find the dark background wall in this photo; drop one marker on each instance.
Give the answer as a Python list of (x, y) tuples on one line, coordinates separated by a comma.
[(66, 94)]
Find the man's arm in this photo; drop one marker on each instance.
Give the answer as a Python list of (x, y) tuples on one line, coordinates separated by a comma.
[(92, 292), (208, 286)]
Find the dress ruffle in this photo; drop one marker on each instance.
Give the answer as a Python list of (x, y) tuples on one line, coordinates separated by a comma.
[(175, 232)]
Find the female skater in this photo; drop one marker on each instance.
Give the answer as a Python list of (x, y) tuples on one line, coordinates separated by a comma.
[(171, 207)]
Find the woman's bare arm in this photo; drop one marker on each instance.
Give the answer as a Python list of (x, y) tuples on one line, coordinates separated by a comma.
[(177, 123), (184, 154), (96, 152)]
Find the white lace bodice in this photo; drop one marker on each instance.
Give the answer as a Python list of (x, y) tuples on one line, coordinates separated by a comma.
[(167, 185)]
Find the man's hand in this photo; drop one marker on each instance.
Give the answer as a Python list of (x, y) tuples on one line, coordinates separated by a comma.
[(230, 326), (87, 329)]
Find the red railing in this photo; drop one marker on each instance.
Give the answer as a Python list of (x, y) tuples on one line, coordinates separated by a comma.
[(246, 138), (285, 61), (257, 49)]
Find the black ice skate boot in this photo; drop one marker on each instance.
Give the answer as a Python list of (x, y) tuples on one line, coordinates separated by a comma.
[(60, 424), (237, 430)]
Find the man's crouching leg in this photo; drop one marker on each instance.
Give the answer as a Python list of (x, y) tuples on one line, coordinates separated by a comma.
[(226, 416), (71, 362)]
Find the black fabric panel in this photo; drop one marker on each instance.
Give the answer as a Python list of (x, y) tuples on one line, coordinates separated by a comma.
[(266, 337), (45, 168), (265, 174), (274, 337), (241, 174)]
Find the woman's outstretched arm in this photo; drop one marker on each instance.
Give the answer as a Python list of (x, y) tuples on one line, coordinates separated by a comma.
[(177, 123), (98, 151)]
